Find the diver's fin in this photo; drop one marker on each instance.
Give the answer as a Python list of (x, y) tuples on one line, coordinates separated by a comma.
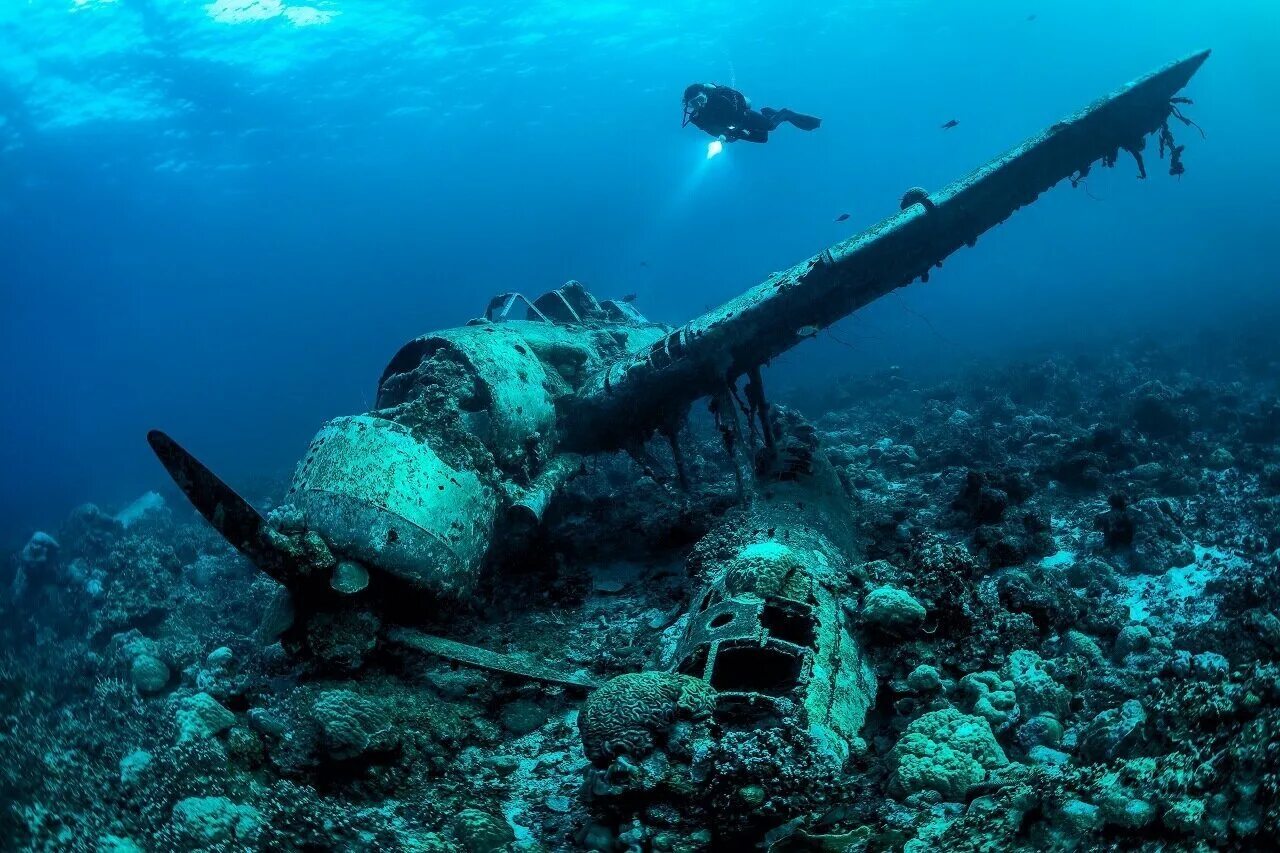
[(231, 515), (802, 121), (474, 656)]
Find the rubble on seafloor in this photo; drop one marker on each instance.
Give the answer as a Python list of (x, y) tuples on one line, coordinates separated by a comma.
[(1068, 592)]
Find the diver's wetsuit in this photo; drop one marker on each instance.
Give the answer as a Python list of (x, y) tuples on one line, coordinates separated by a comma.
[(726, 113)]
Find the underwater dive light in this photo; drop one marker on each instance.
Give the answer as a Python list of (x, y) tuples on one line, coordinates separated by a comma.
[(714, 147)]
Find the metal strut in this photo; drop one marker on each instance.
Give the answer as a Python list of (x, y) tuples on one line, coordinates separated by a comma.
[(726, 420), (754, 390), (672, 434)]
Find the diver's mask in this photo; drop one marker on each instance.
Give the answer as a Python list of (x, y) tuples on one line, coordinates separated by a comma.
[(692, 107)]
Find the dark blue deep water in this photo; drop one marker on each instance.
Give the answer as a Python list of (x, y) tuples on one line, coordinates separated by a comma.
[(222, 219)]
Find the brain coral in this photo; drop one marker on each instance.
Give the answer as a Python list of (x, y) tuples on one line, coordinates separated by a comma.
[(763, 568), (149, 673), (1035, 688), (944, 751), (625, 715)]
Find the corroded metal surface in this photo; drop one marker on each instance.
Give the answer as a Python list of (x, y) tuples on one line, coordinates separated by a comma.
[(767, 630), (486, 659), (377, 494)]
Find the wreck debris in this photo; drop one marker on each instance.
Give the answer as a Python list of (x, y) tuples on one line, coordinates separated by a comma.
[(1175, 105), (530, 504), (463, 438), (378, 495), (486, 659), (501, 306), (766, 641), (1167, 143)]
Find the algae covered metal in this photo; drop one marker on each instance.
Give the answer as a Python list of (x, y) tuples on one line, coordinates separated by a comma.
[(767, 629), (380, 496)]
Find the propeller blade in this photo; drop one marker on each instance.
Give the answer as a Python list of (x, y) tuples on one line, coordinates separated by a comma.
[(231, 515)]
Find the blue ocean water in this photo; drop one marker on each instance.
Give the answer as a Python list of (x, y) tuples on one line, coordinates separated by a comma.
[(222, 218)]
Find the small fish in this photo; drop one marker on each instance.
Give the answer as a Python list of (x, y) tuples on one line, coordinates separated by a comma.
[(630, 297), (950, 124), (842, 217), (807, 331)]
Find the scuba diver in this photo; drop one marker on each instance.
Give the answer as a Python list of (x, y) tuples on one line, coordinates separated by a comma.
[(726, 114)]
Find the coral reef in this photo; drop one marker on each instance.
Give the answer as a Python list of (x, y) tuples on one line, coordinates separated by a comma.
[(1067, 589)]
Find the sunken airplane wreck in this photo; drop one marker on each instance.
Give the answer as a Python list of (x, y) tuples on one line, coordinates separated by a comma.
[(474, 430)]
